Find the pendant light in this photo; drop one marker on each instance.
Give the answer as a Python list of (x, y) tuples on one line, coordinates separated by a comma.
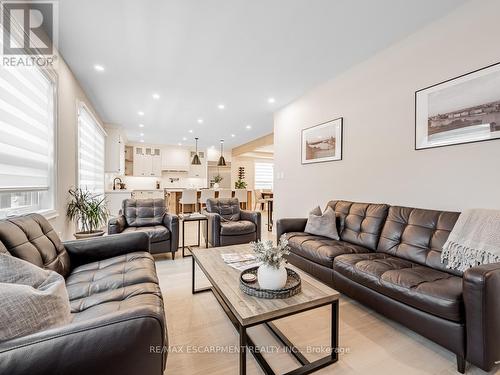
[(196, 158), (222, 161)]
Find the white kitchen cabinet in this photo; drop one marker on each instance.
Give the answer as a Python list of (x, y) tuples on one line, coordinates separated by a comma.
[(114, 200), (175, 159), (115, 152), (147, 162)]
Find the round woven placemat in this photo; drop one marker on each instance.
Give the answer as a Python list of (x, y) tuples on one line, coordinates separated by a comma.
[(292, 286)]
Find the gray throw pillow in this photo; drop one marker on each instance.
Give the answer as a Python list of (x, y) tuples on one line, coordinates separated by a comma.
[(31, 299), (322, 224)]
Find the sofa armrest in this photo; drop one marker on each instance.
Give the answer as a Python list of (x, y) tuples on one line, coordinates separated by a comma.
[(117, 224), (171, 221), (213, 234), (125, 343), (290, 225), (481, 286), (95, 249), (254, 217)]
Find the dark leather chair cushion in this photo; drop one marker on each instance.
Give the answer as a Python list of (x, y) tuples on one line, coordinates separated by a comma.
[(227, 208), (235, 228), (109, 285), (156, 233), (319, 249), (433, 291), (143, 212), (33, 239), (360, 223), (417, 235)]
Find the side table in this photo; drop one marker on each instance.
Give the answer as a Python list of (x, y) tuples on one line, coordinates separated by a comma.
[(188, 218)]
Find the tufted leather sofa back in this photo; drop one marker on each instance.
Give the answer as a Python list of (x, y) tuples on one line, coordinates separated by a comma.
[(32, 238), (227, 208), (417, 235), (143, 212), (360, 223)]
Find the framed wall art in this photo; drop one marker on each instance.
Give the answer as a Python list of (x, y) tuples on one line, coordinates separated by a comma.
[(322, 142), (460, 110)]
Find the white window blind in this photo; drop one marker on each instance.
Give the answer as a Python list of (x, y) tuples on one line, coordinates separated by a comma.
[(264, 173), (90, 152)]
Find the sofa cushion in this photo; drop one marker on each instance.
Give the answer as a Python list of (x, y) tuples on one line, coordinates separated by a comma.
[(360, 223), (157, 233), (227, 208), (234, 228), (319, 249), (143, 212), (417, 235), (111, 280), (322, 223), (433, 291), (32, 238)]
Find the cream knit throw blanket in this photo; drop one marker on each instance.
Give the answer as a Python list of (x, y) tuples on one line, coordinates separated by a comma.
[(474, 240)]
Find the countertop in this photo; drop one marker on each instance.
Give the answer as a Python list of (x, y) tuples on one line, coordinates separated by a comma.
[(118, 191)]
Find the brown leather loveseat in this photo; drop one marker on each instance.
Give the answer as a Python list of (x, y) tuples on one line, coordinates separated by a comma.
[(388, 257)]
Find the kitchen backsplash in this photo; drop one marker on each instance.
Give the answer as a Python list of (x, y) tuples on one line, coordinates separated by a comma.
[(167, 180)]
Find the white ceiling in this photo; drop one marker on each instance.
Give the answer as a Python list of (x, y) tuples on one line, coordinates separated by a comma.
[(199, 53)]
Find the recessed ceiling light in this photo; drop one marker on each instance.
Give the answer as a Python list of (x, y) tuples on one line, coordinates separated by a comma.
[(156, 96), (99, 68), (190, 130), (184, 138), (142, 140), (271, 100), (179, 144), (233, 135), (212, 147), (140, 113), (248, 127), (141, 125), (200, 121), (221, 106), (142, 134)]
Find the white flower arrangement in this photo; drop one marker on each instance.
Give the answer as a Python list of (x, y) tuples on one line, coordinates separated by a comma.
[(270, 255)]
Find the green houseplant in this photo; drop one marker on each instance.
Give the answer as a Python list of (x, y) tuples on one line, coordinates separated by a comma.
[(88, 211), (240, 184), (217, 180)]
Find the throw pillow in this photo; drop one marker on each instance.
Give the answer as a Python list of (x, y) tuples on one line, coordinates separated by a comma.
[(32, 299), (322, 224)]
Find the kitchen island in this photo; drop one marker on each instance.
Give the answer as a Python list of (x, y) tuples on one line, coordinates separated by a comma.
[(173, 196)]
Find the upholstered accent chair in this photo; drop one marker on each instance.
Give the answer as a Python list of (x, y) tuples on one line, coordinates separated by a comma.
[(117, 310), (229, 225), (148, 216)]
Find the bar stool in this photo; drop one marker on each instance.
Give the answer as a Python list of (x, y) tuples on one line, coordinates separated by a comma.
[(259, 199), (241, 195), (189, 197), (205, 194), (225, 193)]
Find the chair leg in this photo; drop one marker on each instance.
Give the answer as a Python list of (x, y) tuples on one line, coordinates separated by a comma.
[(173, 255), (461, 364)]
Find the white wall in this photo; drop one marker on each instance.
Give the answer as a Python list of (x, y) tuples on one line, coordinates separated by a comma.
[(70, 94), (376, 99)]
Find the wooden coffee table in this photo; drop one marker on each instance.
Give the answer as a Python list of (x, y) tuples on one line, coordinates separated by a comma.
[(246, 311)]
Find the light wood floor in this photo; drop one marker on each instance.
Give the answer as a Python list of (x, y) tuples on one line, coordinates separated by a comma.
[(373, 344)]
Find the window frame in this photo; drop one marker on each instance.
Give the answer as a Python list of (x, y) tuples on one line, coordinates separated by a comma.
[(79, 106)]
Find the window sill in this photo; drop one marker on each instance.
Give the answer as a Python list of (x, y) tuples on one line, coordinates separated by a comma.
[(49, 214)]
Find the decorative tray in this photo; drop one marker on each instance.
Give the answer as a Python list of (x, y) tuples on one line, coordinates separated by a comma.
[(292, 286)]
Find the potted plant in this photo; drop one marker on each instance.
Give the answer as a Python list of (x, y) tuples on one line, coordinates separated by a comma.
[(271, 274), (240, 184), (88, 211), (217, 180)]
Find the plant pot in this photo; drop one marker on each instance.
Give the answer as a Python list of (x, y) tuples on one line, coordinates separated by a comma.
[(271, 278), (216, 185), (91, 234)]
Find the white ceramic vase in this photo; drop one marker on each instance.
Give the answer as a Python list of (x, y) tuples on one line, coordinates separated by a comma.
[(270, 277), (216, 185)]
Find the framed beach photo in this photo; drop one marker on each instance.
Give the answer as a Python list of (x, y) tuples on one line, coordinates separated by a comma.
[(322, 142), (464, 109)]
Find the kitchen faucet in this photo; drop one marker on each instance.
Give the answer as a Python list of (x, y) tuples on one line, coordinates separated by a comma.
[(114, 182)]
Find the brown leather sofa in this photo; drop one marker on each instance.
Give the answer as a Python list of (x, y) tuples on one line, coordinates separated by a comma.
[(388, 258), (228, 224), (118, 325), (148, 216)]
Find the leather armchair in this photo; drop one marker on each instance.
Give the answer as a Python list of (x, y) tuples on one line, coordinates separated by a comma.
[(118, 324), (229, 225), (148, 216)]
